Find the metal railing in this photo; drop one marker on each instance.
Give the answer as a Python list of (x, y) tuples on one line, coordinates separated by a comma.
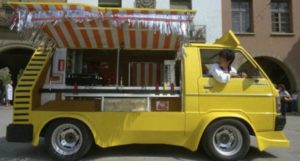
[(198, 33)]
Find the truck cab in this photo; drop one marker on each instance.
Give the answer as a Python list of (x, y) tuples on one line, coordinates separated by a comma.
[(251, 99), (163, 98)]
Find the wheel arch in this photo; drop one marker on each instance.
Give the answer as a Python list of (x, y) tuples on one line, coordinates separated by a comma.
[(216, 116), (246, 123), (45, 125)]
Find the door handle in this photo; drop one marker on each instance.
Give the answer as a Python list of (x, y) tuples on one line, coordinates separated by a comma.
[(207, 86)]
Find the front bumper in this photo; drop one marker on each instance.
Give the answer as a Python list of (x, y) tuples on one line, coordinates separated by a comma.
[(19, 133), (271, 139)]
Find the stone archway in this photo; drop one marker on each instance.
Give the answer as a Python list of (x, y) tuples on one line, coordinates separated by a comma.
[(277, 71), (15, 57)]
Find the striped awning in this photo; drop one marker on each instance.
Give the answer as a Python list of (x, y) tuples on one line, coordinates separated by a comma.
[(108, 27), (100, 34)]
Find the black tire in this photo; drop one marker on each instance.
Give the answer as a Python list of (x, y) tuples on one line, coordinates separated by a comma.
[(208, 140), (82, 149)]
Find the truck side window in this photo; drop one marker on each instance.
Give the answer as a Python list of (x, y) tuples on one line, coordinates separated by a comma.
[(240, 63)]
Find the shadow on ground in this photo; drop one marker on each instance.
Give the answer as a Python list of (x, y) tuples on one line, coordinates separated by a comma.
[(165, 151), (26, 152), (21, 152)]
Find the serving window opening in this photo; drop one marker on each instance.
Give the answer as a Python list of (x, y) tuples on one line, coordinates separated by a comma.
[(113, 80), (122, 68)]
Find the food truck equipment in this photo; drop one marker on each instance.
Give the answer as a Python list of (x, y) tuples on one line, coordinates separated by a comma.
[(169, 72), (83, 79)]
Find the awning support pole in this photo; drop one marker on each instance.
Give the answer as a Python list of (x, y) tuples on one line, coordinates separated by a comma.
[(129, 74), (118, 65)]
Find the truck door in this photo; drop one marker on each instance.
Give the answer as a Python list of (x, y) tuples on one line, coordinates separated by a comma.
[(155, 127), (251, 94)]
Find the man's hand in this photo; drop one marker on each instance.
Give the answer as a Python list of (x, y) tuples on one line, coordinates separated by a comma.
[(234, 75), (243, 75), (287, 98)]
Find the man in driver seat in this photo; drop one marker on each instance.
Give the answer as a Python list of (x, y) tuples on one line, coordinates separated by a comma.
[(222, 71)]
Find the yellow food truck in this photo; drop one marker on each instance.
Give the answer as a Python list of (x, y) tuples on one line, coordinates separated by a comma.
[(115, 76)]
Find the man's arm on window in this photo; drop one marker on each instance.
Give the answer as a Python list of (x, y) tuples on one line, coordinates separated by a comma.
[(220, 76)]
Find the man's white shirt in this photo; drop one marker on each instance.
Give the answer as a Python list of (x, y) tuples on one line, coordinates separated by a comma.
[(218, 73)]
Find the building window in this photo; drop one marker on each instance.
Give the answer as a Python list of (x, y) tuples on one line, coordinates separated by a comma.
[(180, 4), (145, 3), (241, 16), (281, 21), (110, 3)]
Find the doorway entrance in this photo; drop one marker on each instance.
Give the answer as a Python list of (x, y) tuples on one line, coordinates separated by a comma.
[(15, 59), (277, 71)]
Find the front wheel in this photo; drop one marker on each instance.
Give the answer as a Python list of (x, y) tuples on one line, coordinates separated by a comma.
[(226, 140), (68, 140)]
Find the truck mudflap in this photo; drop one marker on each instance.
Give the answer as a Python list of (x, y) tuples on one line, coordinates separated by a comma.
[(271, 139), (19, 133)]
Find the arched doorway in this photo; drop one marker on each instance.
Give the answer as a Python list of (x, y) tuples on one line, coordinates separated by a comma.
[(277, 71), (16, 60)]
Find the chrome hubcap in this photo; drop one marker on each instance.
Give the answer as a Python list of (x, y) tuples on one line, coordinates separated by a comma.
[(67, 139), (228, 140)]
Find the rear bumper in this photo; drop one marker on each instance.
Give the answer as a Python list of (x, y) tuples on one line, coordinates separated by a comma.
[(19, 133), (271, 139)]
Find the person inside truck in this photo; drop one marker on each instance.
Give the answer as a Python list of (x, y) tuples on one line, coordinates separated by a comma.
[(222, 71)]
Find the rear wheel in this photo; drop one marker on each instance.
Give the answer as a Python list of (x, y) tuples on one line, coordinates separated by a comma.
[(68, 139), (226, 140)]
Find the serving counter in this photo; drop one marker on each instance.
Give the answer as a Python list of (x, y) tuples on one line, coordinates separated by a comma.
[(121, 99)]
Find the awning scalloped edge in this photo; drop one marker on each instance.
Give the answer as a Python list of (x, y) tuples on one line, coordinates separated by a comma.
[(34, 15)]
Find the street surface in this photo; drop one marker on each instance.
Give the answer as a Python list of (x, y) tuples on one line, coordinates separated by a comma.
[(26, 152)]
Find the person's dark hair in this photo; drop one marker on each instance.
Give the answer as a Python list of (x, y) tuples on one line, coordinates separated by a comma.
[(228, 54), (282, 87)]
